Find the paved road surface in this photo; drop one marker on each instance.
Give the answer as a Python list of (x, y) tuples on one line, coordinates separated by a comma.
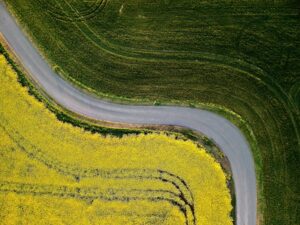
[(224, 133)]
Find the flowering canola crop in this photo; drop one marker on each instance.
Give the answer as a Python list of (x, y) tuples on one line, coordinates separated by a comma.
[(54, 173)]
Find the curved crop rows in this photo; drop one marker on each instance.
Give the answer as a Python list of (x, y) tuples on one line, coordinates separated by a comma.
[(183, 199), (92, 193), (74, 15)]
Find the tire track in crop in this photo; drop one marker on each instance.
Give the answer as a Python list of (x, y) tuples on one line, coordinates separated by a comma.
[(180, 185), (186, 207), (81, 15), (295, 94), (36, 153), (90, 194)]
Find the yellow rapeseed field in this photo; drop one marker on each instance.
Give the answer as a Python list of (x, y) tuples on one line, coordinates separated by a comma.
[(54, 173)]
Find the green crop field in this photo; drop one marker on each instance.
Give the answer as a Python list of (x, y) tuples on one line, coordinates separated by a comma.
[(243, 56)]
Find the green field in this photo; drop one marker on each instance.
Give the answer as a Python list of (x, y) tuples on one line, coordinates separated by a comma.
[(240, 55)]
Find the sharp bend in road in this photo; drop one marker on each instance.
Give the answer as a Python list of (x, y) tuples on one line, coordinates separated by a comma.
[(224, 133)]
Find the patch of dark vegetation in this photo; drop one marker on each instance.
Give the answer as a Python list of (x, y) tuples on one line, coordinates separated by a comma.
[(96, 129)]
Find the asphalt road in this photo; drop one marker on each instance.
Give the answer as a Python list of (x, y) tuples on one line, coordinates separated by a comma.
[(224, 133)]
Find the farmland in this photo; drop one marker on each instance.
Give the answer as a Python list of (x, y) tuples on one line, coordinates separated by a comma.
[(242, 56), (54, 173)]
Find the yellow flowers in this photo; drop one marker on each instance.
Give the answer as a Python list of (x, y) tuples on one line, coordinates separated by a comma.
[(54, 173)]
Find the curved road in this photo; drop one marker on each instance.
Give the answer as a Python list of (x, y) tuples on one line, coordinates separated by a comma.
[(224, 133)]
